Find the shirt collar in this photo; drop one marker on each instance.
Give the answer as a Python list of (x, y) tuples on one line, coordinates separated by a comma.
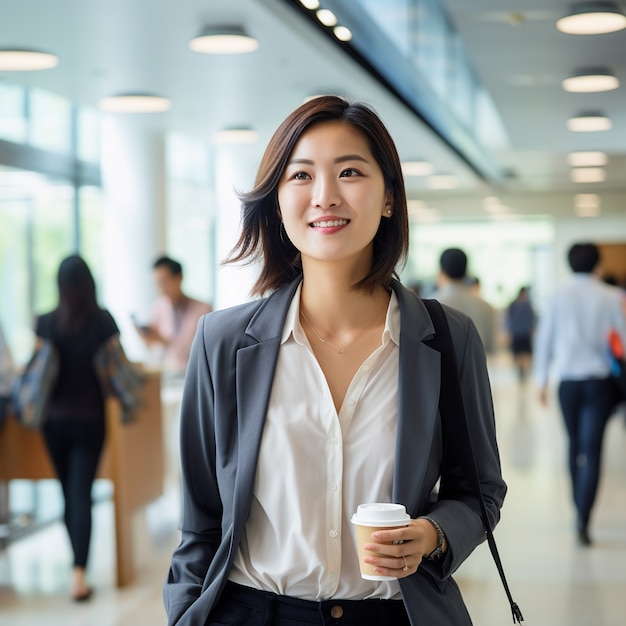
[(293, 328)]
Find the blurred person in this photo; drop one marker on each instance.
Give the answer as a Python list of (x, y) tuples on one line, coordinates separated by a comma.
[(520, 320), (454, 289), (74, 428), (572, 339), (302, 404), (174, 317), (7, 373)]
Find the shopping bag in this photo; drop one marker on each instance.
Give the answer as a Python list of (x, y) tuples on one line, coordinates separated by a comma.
[(31, 389)]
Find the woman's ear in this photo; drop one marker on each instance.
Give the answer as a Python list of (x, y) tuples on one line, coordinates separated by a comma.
[(388, 206)]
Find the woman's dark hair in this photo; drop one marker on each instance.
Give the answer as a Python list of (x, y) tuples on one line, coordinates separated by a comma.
[(261, 238), (583, 257), (77, 295)]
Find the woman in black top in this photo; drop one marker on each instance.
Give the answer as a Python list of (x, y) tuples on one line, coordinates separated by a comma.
[(74, 430)]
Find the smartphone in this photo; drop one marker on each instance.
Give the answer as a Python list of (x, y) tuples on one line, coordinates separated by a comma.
[(135, 320)]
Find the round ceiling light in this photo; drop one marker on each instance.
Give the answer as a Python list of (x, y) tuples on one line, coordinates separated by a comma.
[(589, 122), (135, 103), (326, 17), (22, 60), (591, 81), (587, 159), (223, 40), (592, 18)]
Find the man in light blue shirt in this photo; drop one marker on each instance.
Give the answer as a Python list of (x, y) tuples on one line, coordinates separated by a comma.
[(572, 341)]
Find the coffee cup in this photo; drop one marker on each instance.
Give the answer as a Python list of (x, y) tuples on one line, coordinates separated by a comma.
[(369, 518)]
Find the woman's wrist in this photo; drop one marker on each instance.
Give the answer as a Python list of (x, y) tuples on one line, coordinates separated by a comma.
[(441, 546)]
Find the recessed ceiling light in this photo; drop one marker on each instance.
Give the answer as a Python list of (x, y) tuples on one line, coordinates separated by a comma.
[(587, 200), (589, 122), (442, 181), (135, 103), (237, 135), (591, 81), (587, 211), (417, 168), (343, 33), (587, 159), (326, 17), (587, 175), (310, 4), (592, 18), (223, 40), (23, 60)]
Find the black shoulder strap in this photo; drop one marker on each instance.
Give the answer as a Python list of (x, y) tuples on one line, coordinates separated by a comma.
[(453, 414)]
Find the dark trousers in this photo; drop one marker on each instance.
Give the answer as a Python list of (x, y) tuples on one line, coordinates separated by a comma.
[(75, 448), (245, 606), (586, 406)]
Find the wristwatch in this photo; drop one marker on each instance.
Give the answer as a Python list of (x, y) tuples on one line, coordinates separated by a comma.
[(438, 551)]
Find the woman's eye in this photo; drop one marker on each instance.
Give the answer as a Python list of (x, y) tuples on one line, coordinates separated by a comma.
[(348, 173)]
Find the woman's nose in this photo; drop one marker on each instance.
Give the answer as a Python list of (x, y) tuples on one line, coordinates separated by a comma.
[(325, 192)]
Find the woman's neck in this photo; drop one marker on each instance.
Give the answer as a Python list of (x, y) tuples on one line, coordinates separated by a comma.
[(334, 305)]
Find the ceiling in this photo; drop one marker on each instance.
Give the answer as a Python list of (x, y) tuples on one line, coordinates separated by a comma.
[(112, 46)]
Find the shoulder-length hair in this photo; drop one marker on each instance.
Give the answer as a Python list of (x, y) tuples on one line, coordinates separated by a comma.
[(261, 238), (77, 295)]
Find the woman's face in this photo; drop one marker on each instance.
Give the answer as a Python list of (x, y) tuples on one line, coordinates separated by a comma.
[(332, 195)]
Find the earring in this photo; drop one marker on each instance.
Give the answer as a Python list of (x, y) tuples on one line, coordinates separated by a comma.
[(388, 211)]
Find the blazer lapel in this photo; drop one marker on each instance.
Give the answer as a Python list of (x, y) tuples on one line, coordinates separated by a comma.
[(417, 404), (254, 374)]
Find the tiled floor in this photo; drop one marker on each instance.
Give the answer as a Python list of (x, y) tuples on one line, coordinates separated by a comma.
[(554, 581)]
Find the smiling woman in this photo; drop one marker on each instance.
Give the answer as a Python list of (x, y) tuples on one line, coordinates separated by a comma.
[(332, 376)]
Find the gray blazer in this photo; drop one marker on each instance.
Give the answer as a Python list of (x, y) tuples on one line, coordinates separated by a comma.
[(225, 399)]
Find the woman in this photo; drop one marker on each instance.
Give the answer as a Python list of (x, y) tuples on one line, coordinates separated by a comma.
[(300, 406), (520, 321), (74, 429)]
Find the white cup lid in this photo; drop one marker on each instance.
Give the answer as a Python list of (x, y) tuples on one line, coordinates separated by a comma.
[(381, 514)]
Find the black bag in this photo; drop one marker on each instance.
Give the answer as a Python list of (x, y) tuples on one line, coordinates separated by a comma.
[(453, 415)]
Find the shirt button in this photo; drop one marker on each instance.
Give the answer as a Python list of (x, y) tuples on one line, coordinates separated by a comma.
[(366, 368), (333, 487), (336, 612), (333, 533)]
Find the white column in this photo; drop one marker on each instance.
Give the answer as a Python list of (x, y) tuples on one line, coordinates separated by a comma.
[(133, 182), (234, 170)]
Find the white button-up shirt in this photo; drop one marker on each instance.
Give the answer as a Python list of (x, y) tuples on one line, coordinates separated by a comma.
[(316, 466), (572, 336)]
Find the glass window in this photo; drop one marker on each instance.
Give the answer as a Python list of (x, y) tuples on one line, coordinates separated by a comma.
[(50, 122), (14, 278), (52, 237), (432, 46), (91, 224), (12, 112), (88, 140)]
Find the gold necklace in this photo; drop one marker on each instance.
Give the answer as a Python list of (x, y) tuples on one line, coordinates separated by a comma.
[(340, 349)]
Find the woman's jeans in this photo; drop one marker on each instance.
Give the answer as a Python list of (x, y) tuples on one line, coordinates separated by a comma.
[(586, 406)]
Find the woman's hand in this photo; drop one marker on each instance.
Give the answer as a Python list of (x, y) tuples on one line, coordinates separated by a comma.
[(399, 551)]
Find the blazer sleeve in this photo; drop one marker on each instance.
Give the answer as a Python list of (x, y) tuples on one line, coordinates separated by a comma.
[(201, 504), (457, 509)]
